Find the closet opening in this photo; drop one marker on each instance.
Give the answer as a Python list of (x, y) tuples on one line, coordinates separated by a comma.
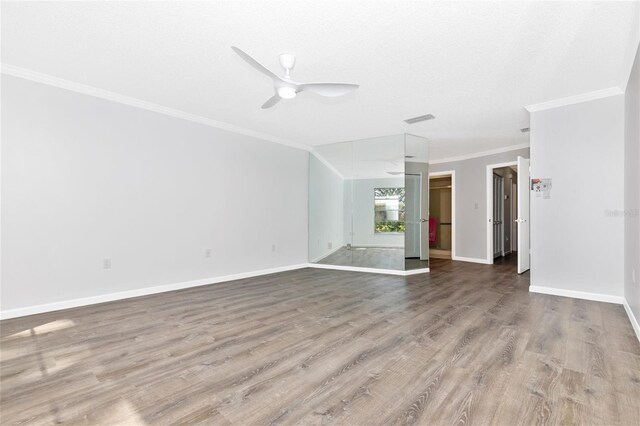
[(441, 215)]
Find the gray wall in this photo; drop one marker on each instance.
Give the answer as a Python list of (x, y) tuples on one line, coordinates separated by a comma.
[(84, 179), (471, 201), (632, 190), (326, 210), (577, 235)]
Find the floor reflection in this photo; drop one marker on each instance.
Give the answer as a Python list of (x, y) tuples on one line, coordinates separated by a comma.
[(373, 257)]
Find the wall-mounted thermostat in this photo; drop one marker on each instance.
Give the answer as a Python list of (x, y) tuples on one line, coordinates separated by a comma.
[(541, 187)]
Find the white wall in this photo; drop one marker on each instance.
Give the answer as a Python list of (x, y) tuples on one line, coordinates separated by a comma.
[(326, 210), (471, 200), (632, 191), (576, 236), (362, 194), (84, 179)]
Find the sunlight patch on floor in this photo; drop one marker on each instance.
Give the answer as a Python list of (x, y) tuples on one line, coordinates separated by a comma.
[(125, 413), (43, 329)]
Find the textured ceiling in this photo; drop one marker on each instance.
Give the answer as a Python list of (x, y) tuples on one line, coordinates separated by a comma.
[(474, 65)]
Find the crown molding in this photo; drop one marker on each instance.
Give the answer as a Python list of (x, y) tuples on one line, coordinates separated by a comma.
[(630, 56), (326, 162), (481, 154), (73, 86), (570, 100)]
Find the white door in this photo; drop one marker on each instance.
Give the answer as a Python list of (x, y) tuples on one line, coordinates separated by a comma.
[(524, 192), (498, 216), (514, 215), (412, 216), (424, 216), (416, 237)]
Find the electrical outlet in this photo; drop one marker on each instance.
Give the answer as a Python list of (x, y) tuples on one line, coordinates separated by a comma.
[(475, 206), (106, 263), (330, 245), (207, 253)]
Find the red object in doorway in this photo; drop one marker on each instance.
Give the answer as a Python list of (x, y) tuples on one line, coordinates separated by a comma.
[(433, 229)]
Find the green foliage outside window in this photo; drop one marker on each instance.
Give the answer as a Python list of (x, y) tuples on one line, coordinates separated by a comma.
[(389, 211), (390, 226)]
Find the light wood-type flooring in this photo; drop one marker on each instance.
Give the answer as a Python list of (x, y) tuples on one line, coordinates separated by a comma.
[(465, 344), (374, 257)]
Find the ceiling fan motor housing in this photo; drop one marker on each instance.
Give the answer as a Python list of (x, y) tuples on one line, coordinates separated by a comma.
[(288, 61)]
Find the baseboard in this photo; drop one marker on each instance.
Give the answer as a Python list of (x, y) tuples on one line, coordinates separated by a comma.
[(416, 271), (382, 246), (632, 318), (596, 297), (470, 259), (92, 300), (369, 270)]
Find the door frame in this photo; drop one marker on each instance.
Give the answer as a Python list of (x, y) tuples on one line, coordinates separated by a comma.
[(489, 200), (451, 173), (500, 208), (513, 244)]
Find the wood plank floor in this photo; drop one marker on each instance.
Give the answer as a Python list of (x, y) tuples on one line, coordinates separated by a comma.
[(465, 344), (374, 257)]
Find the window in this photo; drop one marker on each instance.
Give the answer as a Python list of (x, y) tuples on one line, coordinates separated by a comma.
[(389, 210)]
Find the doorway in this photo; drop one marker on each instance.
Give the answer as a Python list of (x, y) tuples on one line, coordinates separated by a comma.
[(442, 215), (508, 213)]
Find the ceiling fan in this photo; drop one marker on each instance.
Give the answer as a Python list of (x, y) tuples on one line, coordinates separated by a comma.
[(288, 89)]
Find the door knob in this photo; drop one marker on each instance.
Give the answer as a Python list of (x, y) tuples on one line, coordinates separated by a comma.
[(424, 220)]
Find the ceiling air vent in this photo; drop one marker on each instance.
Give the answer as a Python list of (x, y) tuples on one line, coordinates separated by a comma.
[(419, 119), (525, 130)]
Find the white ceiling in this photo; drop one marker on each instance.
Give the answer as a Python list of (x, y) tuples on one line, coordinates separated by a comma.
[(474, 65)]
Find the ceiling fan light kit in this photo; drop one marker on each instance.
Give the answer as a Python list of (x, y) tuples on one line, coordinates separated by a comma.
[(286, 88), (287, 92)]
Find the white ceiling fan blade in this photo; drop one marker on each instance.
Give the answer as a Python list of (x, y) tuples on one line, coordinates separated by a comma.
[(257, 65), (271, 101), (328, 89)]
